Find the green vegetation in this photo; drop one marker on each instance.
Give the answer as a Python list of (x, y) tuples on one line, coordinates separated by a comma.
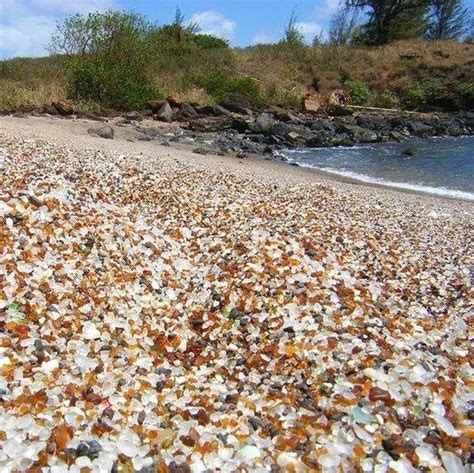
[(117, 60), (390, 20), (222, 86)]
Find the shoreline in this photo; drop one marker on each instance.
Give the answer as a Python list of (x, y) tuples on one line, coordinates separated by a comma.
[(74, 132)]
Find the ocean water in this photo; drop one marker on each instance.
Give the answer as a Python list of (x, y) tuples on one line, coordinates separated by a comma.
[(440, 166)]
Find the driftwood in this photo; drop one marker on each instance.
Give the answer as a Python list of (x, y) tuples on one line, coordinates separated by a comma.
[(379, 109)]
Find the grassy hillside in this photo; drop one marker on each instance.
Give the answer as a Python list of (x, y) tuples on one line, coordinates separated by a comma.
[(413, 75)]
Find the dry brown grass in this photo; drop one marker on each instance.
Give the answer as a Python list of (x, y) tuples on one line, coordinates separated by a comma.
[(384, 69), (284, 73), (27, 96)]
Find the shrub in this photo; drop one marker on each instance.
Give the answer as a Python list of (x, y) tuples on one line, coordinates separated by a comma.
[(385, 101), (206, 41), (434, 90), (414, 97), (108, 56), (109, 82), (221, 86), (465, 92), (360, 94), (429, 93)]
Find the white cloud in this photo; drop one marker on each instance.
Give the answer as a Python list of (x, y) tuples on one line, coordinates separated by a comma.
[(308, 28), (214, 23), (261, 38), (72, 6), (326, 9), (26, 25)]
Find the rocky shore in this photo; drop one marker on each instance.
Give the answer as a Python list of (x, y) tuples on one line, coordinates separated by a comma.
[(236, 129), (166, 311)]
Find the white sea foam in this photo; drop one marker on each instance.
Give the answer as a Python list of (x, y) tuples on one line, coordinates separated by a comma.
[(441, 191)]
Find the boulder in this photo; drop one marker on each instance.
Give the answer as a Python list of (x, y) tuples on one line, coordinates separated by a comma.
[(105, 131), (420, 128), (361, 135), (313, 103), (165, 113), (238, 103), (293, 136), (241, 124), (155, 105), (263, 123), (136, 116), (173, 101), (207, 125), (64, 107), (339, 97), (188, 111)]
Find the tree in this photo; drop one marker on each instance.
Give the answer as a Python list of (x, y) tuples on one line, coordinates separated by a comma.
[(387, 18), (293, 34), (108, 57), (343, 25), (448, 19), (97, 32)]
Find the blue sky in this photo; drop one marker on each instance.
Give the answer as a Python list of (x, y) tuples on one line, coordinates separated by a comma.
[(25, 25)]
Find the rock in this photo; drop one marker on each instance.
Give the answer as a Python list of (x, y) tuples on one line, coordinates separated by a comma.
[(207, 125), (220, 110), (338, 111), (339, 97), (173, 101), (263, 123), (155, 105), (420, 128), (361, 135), (136, 116), (64, 107), (202, 150), (241, 124), (151, 132), (293, 136), (106, 131), (238, 103), (397, 136), (188, 111), (165, 113), (313, 103)]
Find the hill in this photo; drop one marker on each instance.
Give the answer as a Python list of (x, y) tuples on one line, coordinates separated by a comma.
[(414, 75)]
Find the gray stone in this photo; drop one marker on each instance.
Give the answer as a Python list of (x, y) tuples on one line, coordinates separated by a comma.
[(188, 111), (165, 113), (263, 124), (105, 131)]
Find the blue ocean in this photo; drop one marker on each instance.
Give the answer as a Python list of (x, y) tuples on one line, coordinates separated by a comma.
[(439, 166)]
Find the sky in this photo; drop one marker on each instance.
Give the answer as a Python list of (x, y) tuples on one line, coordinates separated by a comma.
[(26, 25)]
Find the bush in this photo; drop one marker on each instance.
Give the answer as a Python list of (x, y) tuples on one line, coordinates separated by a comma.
[(434, 90), (429, 93), (206, 41), (414, 97), (385, 101), (465, 92), (109, 82), (360, 94), (221, 86)]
